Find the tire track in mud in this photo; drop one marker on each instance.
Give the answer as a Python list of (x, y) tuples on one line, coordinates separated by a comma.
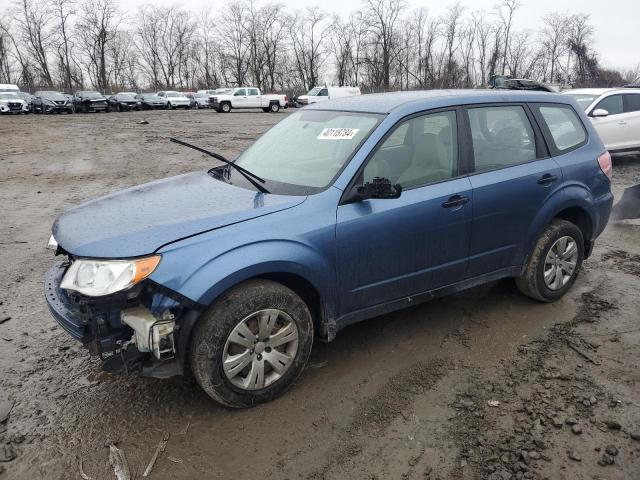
[(374, 415), (536, 398)]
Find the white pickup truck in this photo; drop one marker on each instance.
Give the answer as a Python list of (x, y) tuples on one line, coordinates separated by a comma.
[(248, 97)]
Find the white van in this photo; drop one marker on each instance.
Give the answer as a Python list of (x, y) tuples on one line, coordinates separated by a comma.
[(319, 94), (8, 87)]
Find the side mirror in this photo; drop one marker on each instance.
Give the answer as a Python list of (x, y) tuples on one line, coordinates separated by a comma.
[(378, 188), (600, 112)]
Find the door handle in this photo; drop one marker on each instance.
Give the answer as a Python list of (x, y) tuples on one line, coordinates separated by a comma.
[(547, 178), (455, 201), (622, 122)]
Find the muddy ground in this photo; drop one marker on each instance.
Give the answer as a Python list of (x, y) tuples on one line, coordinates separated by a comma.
[(484, 384)]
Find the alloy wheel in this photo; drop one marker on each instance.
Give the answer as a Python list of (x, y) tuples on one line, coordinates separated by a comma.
[(560, 263), (260, 349)]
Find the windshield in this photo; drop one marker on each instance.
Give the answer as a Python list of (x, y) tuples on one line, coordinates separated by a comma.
[(305, 151), (314, 91), (583, 99), (127, 96), (91, 95), (174, 94), (8, 96), (53, 96)]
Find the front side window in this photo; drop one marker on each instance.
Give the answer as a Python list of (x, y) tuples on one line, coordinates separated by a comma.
[(502, 137), (632, 102), (612, 104), (323, 93), (306, 150), (564, 125), (419, 151), (240, 93)]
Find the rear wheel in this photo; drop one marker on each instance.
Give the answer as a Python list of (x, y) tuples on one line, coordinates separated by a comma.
[(252, 345), (554, 263), (274, 107)]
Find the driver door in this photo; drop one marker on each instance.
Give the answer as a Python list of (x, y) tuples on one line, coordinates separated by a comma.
[(388, 249), (240, 99)]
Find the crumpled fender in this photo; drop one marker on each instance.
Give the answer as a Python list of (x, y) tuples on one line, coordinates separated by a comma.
[(210, 278)]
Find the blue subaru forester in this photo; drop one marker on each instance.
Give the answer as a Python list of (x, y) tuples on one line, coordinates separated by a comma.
[(344, 210)]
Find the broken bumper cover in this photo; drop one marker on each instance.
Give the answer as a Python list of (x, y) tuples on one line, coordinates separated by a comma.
[(99, 323)]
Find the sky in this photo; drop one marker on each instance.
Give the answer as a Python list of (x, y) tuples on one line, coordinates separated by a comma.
[(615, 21)]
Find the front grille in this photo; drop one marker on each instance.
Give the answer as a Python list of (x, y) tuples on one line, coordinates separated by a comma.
[(60, 102), (15, 106)]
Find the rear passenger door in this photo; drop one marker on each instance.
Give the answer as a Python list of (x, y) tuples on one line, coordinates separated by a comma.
[(253, 98), (632, 114), (511, 175)]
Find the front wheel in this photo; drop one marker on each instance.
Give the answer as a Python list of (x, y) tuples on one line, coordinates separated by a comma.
[(554, 263), (252, 344)]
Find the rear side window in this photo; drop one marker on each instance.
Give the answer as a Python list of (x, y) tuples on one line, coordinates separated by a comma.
[(565, 127), (612, 104), (502, 137), (632, 102)]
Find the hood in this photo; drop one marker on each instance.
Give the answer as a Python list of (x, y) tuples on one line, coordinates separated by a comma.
[(12, 100), (140, 220)]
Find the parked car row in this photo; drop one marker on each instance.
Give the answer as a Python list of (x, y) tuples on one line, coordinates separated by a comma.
[(85, 101)]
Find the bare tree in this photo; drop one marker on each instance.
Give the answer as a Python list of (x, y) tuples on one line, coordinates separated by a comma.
[(554, 40), (308, 31), (506, 10), (63, 11), (383, 18), (96, 28), (33, 19)]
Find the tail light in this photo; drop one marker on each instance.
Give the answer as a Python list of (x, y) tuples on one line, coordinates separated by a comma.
[(606, 166), (286, 99)]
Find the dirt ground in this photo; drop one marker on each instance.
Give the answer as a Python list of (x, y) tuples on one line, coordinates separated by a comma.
[(484, 384)]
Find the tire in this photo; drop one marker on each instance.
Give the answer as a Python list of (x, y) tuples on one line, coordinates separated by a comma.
[(274, 107), (532, 283), (225, 107), (211, 342)]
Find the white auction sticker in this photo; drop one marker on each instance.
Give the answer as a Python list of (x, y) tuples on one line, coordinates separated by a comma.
[(338, 133)]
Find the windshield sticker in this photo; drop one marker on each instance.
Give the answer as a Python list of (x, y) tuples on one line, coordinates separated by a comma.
[(338, 133)]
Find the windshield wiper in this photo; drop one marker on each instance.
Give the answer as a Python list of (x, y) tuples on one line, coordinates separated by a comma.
[(251, 177)]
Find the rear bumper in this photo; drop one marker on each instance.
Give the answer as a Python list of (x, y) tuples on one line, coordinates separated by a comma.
[(602, 207)]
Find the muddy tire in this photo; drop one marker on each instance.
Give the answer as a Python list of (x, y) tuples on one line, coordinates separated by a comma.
[(252, 344), (555, 262)]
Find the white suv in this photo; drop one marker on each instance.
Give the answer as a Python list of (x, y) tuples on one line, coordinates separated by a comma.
[(615, 114), (174, 99)]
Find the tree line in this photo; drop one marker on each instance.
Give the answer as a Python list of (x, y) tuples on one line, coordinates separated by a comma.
[(385, 45)]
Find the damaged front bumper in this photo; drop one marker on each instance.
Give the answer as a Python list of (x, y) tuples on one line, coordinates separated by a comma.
[(144, 329)]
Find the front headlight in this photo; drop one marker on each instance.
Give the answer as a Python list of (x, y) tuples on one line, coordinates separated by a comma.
[(96, 278)]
